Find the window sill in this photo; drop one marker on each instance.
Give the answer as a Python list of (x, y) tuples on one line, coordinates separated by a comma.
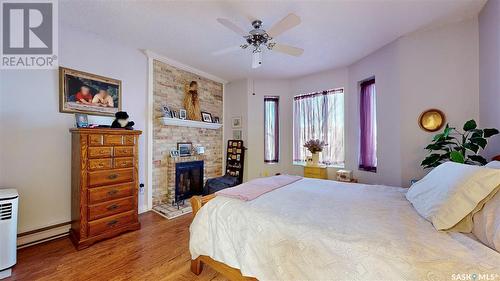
[(328, 166)]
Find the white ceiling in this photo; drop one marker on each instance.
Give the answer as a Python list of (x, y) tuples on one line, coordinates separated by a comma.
[(333, 33)]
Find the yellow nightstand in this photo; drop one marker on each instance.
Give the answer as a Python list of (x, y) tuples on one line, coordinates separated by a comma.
[(315, 172)]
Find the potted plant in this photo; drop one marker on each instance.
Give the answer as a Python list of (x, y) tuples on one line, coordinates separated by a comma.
[(461, 147), (315, 146)]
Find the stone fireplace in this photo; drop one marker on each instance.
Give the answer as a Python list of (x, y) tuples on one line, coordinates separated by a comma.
[(168, 89)]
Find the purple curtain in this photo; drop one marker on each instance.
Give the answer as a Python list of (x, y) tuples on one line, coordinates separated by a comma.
[(368, 127), (319, 115), (271, 130)]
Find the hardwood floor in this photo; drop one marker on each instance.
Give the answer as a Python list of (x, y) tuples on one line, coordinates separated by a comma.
[(158, 251)]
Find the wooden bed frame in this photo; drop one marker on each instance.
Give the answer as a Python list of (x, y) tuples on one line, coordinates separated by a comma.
[(197, 264), (232, 273)]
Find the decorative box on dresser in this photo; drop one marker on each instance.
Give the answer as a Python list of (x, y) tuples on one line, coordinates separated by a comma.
[(104, 184)]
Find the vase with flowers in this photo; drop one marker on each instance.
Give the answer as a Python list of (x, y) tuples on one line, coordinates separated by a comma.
[(315, 147)]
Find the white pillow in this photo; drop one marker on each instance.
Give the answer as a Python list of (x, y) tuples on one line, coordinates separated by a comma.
[(487, 223), (493, 165), (451, 192)]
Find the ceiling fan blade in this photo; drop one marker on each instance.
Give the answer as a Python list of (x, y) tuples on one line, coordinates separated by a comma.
[(226, 51), (289, 50), (230, 25), (283, 25)]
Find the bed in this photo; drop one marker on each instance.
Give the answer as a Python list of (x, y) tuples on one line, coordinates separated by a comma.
[(326, 230)]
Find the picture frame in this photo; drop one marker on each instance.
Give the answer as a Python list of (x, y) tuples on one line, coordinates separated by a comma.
[(237, 134), (174, 153), (216, 120), (81, 120), (174, 114), (87, 93), (182, 114), (165, 109), (184, 148), (236, 122), (206, 117), (431, 120)]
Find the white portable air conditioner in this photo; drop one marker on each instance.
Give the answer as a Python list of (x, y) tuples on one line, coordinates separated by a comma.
[(8, 230)]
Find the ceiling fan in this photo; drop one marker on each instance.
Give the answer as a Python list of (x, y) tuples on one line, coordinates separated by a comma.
[(258, 38)]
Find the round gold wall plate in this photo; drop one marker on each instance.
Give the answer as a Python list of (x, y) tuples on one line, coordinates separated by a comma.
[(431, 120)]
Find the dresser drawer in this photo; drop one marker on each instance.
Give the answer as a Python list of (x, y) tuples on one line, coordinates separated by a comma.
[(113, 139), (314, 172), (100, 152), (124, 162), (111, 176), (107, 193), (106, 209), (124, 151), (128, 140), (95, 139), (109, 223), (100, 164)]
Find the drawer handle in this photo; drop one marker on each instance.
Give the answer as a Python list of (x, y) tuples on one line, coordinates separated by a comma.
[(112, 176), (112, 192), (103, 151), (112, 207), (112, 223)]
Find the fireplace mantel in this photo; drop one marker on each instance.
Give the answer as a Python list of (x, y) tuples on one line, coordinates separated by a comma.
[(189, 123)]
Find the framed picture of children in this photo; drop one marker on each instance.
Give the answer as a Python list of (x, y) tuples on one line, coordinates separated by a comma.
[(82, 92)]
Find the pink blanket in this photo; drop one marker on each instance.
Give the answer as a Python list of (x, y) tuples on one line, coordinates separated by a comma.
[(250, 190)]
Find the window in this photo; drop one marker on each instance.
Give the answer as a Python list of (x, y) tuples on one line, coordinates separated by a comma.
[(368, 127), (271, 130), (319, 115)]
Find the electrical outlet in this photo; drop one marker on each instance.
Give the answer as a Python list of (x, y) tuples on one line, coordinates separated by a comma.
[(141, 188)]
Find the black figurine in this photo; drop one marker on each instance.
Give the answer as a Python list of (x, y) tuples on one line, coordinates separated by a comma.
[(121, 121)]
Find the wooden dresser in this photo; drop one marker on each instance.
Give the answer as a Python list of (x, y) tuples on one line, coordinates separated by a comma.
[(104, 184), (318, 172)]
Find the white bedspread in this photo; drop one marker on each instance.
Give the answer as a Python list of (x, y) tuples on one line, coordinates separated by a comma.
[(325, 230)]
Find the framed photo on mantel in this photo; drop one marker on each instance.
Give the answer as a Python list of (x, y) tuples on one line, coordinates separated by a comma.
[(82, 92)]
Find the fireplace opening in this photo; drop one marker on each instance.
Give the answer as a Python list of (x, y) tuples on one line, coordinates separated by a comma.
[(188, 180)]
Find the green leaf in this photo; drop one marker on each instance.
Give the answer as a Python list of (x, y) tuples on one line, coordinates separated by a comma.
[(456, 156), (431, 159), (478, 158), (490, 132), (447, 131), (438, 137), (434, 146), (472, 147), (470, 125), (479, 141), (477, 134)]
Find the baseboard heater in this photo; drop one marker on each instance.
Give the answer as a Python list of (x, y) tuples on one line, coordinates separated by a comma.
[(41, 235)]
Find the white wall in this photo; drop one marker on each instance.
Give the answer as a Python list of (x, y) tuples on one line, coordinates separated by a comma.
[(489, 72), (255, 152), (384, 66), (236, 105), (438, 69), (432, 68), (35, 141)]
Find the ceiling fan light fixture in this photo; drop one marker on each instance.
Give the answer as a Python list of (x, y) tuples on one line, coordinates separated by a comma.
[(258, 38), (257, 58)]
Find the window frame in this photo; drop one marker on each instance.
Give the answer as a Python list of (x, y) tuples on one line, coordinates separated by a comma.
[(339, 90), (277, 141), (362, 84)]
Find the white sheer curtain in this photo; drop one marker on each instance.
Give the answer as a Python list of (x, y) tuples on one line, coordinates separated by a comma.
[(319, 115), (271, 130)]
